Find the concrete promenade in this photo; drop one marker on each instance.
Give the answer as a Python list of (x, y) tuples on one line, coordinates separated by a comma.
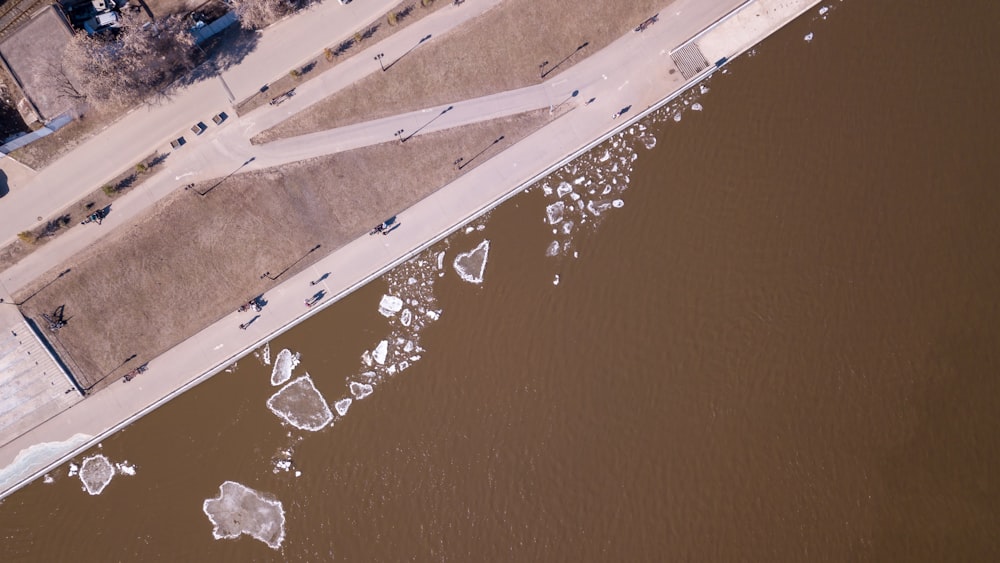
[(615, 76)]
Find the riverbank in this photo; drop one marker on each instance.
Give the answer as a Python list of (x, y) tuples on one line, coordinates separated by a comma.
[(621, 85)]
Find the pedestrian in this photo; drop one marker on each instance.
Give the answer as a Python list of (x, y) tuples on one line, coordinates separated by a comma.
[(243, 326), (615, 116)]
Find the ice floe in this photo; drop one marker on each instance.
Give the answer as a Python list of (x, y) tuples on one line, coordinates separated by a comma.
[(47, 479), (697, 107), (554, 212), (380, 352), (241, 510), (283, 366), (342, 405), (95, 473), (808, 37), (471, 266), (390, 305), (125, 468), (301, 405), (360, 390)]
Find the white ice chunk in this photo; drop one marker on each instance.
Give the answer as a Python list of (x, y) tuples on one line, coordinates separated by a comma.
[(301, 405), (342, 405), (556, 280), (366, 358), (553, 248), (267, 353), (406, 317), (360, 390), (47, 479), (824, 10), (546, 189), (697, 107), (95, 473), (677, 116), (440, 259), (471, 266), (390, 304), (73, 469), (380, 352), (703, 89), (649, 142), (554, 212), (125, 468), (808, 37), (408, 347), (241, 510), (567, 227), (283, 366), (563, 189), (618, 203)]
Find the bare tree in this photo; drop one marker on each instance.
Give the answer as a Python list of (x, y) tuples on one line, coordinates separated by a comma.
[(258, 14), (126, 67)]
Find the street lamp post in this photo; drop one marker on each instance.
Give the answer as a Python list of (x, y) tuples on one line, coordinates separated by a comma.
[(39, 290), (399, 135), (378, 58), (275, 277), (555, 66), (410, 50), (466, 163), (86, 390), (217, 184), (560, 104), (444, 111)]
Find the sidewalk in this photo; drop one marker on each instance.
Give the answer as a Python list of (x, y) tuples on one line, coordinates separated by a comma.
[(615, 76), (149, 128)]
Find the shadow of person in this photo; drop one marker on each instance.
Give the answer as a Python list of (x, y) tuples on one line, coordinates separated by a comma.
[(4, 188)]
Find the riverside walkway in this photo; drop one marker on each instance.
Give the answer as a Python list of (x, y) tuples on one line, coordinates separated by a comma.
[(614, 76)]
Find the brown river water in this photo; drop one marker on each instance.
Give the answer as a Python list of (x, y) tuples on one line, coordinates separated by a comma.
[(784, 346)]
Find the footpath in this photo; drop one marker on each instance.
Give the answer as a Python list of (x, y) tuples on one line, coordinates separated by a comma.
[(629, 79)]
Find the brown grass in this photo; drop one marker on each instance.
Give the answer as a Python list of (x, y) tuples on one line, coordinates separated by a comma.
[(499, 51), (192, 259)]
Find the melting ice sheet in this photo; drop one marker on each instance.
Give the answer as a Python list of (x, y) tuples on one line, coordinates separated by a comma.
[(95, 473), (301, 405), (241, 510), (283, 366), (471, 266)]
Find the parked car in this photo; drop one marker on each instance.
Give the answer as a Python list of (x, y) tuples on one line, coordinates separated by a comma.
[(198, 128), (178, 143), (219, 117)]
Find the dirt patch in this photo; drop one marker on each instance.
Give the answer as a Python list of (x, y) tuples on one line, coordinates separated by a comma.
[(488, 55), (407, 13), (193, 259)]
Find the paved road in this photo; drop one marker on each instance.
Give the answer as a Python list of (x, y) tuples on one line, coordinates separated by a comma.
[(147, 129), (615, 76)]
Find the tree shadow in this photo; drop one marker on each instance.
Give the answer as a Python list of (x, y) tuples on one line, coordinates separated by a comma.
[(4, 188), (308, 68), (220, 53)]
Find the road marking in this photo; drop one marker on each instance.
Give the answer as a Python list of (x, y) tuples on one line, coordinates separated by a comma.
[(219, 346), (183, 175), (624, 84)]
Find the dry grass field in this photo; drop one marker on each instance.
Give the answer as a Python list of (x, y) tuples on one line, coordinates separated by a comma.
[(193, 259), (501, 50)]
